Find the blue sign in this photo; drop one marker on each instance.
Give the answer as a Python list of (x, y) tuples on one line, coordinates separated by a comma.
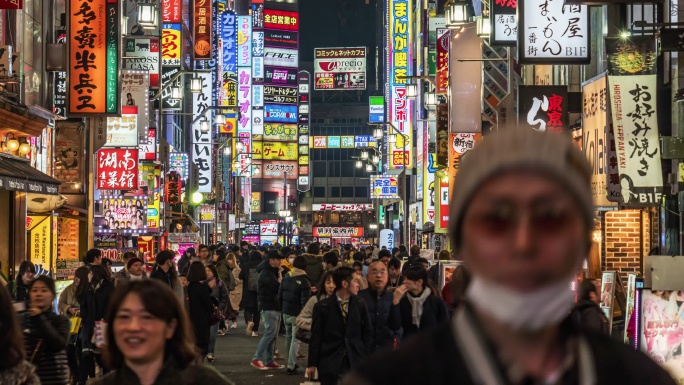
[(363, 140), (280, 113), (376, 109), (333, 142), (258, 44), (229, 41)]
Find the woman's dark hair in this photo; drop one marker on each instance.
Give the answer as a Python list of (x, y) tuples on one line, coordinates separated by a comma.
[(331, 258), (254, 256), (359, 256), (394, 263), (99, 274), (161, 303), (300, 262), (416, 272), (220, 254), (49, 282), (321, 284), (11, 338), (213, 270), (357, 264), (106, 262), (26, 266), (196, 272), (314, 248), (82, 274)]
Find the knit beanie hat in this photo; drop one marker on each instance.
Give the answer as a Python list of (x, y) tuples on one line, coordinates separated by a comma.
[(515, 149), (132, 261)]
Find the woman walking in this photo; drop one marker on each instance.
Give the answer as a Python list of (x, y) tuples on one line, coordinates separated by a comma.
[(225, 273), (46, 333), (420, 306), (219, 292), (150, 339), (305, 317), (249, 277), (201, 307), (236, 293)]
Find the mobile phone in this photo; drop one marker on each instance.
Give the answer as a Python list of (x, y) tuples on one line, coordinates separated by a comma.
[(19, 306)]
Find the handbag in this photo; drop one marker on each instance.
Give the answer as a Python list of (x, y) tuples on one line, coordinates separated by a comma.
[(303, 335), (35, 350), (75, 325), (216, 316)]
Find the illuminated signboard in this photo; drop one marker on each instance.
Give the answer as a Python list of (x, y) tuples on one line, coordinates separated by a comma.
[(340, 68), (202, 29), (384, 187), (277, 19)]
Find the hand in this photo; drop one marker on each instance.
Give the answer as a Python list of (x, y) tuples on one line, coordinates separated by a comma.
[(310, 372), (73, 310), (399, 294), (34, 311)]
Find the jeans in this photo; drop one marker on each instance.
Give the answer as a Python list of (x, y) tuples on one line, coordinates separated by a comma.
[(291, 343), (266, 347), (251, 314), (213, 332)]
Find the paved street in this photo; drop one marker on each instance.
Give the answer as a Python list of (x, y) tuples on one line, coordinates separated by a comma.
[(235, 350)]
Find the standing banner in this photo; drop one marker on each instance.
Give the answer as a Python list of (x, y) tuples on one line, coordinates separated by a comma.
[(635, 123)]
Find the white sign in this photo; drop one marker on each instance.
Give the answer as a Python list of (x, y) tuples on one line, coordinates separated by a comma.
[(258, 67), (123, 131), (342, 207), (506, 28), (258, 122), (553, 33), (281, 57), (387, 238), (258, 95), (635, 123), (201, 141), (269, 227)]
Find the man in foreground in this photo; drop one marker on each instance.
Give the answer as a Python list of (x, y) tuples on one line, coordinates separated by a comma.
[(521, 216)]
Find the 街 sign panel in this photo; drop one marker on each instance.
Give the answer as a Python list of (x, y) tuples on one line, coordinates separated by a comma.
[(553, 33), (635, 124)]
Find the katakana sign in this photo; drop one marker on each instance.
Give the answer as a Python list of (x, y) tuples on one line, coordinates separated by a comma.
[(543, 108), (400, 66)]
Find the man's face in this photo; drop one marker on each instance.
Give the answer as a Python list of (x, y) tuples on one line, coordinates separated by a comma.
[(353, 287), (276, 262), (377, 276), (136, 269), (204, 253), (97, 260), (394, 273), (523, 231), (385, 260)]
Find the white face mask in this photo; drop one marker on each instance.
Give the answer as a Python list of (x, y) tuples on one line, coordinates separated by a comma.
[(528, 312)]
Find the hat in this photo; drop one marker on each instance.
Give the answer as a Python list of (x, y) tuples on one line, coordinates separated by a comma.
[(132, 261), (274, 254), (514, 149)]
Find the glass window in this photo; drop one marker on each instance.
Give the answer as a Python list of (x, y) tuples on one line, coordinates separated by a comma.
[(361, 192), (335, 192), (347, 192), (319, 192), (319, 170), (334, 169), (347, 169)]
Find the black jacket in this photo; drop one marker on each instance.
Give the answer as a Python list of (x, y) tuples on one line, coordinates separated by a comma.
[(332, 337), (52, 331), (200, 309), (441, 363), (184, 265), (434, 312), (588, 316), (267, 293), (249, 298), (384, 316), (94, 308), (18, 290), (294, 293), (314, 268), (170, 374), (163, 276), (410, 261)]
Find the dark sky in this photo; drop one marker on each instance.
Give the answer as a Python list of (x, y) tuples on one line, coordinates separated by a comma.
[(335, 23)]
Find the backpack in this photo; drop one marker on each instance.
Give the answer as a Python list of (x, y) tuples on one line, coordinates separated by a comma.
[(253, 279)]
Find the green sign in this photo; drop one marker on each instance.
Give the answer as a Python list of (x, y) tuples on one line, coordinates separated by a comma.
[(432, 63)]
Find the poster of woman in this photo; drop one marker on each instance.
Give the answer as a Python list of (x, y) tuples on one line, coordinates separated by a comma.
[(662, 330)]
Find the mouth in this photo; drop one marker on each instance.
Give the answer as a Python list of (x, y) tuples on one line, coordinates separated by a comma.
[(134, 342)]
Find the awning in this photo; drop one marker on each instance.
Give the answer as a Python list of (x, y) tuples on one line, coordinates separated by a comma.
[(16, 174)]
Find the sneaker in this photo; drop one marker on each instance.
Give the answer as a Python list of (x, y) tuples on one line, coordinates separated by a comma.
[(250, 326), (258, 364), (273, 365), (221, 332), (291, 372), (210, 357), (234, 325), (255, 334)]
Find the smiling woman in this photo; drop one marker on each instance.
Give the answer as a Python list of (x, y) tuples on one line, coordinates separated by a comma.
[(150, 341)]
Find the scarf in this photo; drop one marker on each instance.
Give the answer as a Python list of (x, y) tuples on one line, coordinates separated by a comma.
[(417, 305), (296, 272)]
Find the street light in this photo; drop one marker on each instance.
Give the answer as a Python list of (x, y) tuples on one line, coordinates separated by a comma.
[(147, 16), (196, 84), (456, 13), (411, 91), (204, 125), (376, 159), (484, 28), (377, 133), (220, 119), (369, 168), (392, 138), (176, 93), (364, 155), (359, 164)]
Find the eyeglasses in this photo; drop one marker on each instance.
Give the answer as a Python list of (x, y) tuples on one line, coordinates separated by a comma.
[(502, 218), (377, 272)]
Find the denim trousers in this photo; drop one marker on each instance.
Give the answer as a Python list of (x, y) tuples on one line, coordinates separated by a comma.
[(291, 343), (213, 332), (266, 347)]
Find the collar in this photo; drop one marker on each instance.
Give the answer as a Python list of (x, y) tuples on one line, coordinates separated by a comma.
[(485, 368), (339, 300)]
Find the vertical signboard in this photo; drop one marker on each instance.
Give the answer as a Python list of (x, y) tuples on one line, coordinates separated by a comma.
[(171, 64), (201, 141), (93, 57), (303, 180), (60, 92), (202, 29), (553, 33), (543, 108), (400, 66), (143, 54), (504, 30), (229, 44), (244, 41), (376, 109), (594, 126), (443, 42), (171, 11)]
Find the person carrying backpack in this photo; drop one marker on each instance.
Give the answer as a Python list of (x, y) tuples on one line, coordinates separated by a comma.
[(587, 315), (250, 278)]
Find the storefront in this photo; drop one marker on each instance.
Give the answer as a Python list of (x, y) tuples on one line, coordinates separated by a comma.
[(336, 235)]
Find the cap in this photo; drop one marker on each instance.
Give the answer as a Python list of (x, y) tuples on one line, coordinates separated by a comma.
[(515, 149)]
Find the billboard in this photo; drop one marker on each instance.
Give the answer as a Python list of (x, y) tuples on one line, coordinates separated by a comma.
[(277, 169), (282, 39), (280, 113), (202, 29), (400, 65), (275, 150), (244, 42), (201, 141), (281, 57), (277, 19), (117, 169), (123, 131), (376, 109), (340, 68), (146, 57), (280, 76), (384, 187), (122, 214)]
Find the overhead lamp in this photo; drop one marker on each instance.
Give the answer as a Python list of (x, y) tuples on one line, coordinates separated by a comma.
[(288, 219), (484, 28), (430, 98), (196, 85), (11, 144), (24, 146), (392, 139), (376, 159), (176, 93), (373, 226), (359, 164), (411, 91), (204, 125), (377, 133), (369, 168), (364, 155), (456, 13), (226, 150), (220, 119), (147, 15), (124, 25), (256, 170)]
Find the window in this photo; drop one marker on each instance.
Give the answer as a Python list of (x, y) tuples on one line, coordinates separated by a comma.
[(319, 170), (319, 192), (348, 169), (334, 169), (334, 192), (361, 192), (347, 192)]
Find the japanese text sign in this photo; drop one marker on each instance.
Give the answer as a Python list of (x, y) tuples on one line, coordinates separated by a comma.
[(443, 43), (635, 123), (504, 22), (11, 4), (544, 108), (117, 169), (123, 131), (244, 41), (283, 39), (384, 187), (172, 189), (342, 207), (277, 169), (400, 66), (93, 57), (338, 232), (553, 33), (201, 141), (280, 113), (282, 57), (340, 68), (269, 227), (275, 150), (171, 11), (143, 54), (277, 19), (202, 29)]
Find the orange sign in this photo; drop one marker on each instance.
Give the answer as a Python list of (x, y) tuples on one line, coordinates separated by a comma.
[(202, 30)]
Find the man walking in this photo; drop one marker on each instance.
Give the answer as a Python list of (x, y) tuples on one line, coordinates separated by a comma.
[(269, 307), (385, 317)]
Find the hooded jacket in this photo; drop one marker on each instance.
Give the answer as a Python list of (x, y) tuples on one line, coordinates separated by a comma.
[(294, 292), (267, 292), (314, 268)]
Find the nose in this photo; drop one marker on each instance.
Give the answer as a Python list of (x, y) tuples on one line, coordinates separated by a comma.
[(133, 324), (524, 238)]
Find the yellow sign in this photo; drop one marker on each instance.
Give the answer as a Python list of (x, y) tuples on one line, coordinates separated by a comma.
[(256, 202), (153, 212), (39, 234), (275, 150)]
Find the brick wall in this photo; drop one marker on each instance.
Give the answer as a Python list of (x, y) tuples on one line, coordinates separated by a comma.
[(627, 235)]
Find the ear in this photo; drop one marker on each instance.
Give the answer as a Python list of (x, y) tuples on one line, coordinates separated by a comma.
[(170, 329)]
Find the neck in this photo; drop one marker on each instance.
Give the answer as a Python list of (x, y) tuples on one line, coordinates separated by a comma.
[(537, 353), (165, 268), (417, 292), (343, 294), (147, 372)]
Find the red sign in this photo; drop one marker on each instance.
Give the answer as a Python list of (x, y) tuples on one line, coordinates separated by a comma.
[(269, 227), (171, 11), (172, 189), (443, 41), (11, 4), (202, 29), (276, 19), (117, 169), (338, 232)]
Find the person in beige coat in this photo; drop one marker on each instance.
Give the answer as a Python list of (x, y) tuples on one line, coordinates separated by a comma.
[(236, 293)]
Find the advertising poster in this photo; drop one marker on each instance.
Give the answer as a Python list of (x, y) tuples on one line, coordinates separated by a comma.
[(39, 237), (146, 54), (123, 131), (67, 239), (504, 22), (544, 108), (607, 295), (662, 331), (340, 68), (135, 87), (275, 150), (384, 187), (631, 298), (124, 214), (277, 169)]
